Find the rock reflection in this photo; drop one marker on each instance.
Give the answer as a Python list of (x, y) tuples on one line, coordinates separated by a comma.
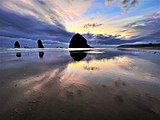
[(41, 54), (18, 54), (78, 55)]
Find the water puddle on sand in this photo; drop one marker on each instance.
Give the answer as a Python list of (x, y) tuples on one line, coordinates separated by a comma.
[(80, 84)]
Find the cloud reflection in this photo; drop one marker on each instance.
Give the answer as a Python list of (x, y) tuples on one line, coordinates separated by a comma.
[(78, 77), (108, 69)]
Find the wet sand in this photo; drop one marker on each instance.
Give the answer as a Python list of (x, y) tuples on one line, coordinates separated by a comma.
[(103, 84)]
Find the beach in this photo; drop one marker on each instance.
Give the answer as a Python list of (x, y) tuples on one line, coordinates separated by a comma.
[(84, 84)]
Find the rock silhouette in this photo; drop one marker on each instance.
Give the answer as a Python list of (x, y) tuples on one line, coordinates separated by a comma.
[(150, 45), (18, 54), (78, 41), (16, 44), (41, 54), (78, 56), (26, 47), (40, 44)]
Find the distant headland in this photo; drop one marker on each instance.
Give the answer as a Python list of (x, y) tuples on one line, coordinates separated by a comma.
[(143, 46)]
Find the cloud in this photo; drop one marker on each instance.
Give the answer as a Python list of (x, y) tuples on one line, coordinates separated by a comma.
[(125, 4), (143, 30), (13, 22), (26, 28), (56, 12), (52, 19), (39, 19), (148, 25), (92, 25)]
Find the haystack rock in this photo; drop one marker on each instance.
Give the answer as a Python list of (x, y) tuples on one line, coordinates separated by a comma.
[(16, 44), (40, 44), (78, 41)]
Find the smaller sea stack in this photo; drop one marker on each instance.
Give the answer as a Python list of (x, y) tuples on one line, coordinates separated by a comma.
[(16, 44), (40, 44)]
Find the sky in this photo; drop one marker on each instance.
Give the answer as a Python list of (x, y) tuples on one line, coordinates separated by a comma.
[(57, 19)]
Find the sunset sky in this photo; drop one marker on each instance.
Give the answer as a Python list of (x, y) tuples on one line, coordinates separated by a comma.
[(123, 18)]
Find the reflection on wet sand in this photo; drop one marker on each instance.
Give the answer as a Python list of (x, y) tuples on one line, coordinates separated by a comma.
[(121, 87), (18, 54), (78, 55), (41, 54), (126, 67)]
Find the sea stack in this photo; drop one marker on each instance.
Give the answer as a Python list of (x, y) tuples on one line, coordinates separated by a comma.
[(78, 41), (40, 44), (16, 44)]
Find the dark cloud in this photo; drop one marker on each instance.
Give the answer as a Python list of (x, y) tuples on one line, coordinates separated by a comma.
[(57, 12), (115, 40), (41, 2), (92, 25), (15, 26), (39, 9), (13, 22), (126, 4), (101, 39)]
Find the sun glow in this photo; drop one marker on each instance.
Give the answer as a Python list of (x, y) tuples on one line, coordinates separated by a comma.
[(102, 30)]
